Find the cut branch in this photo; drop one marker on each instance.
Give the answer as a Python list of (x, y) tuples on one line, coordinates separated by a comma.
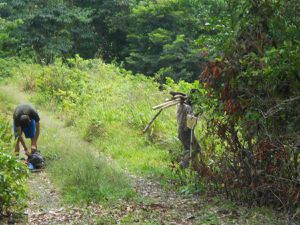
[(150, 123), (167, 104)]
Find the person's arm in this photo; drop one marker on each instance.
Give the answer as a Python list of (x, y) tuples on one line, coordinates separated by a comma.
[(37, 134), (20, 139)]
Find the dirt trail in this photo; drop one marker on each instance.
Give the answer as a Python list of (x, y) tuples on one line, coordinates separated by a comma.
[(45, 206), (171, 207)]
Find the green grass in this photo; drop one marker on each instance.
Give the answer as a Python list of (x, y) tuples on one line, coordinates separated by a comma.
[(131, 150), (81, 173)]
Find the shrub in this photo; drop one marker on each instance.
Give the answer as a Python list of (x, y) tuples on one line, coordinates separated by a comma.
[(12, 174), (252, 93), (7, 67)]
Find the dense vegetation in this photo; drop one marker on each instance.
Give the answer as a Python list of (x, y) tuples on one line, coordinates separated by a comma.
[(106, 105), (253, 92), (247, 53), (12, 174), (156, 38)]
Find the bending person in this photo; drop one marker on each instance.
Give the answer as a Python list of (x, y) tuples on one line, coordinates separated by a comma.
[(26, 120)]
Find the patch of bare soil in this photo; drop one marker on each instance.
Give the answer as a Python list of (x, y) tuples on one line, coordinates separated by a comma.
[(45, 206), (171, 207), (158, 206)]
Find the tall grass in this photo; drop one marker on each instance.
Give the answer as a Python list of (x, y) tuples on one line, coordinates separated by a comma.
[(80, 172)]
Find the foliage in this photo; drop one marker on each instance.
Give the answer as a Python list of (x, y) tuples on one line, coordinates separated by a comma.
[(248, 94), (162, 38), (50, 29), (78, 169), (105, 104), (12, 173), (154, 38), (252, 91), (7, 66), (109, 21), (6, 41)]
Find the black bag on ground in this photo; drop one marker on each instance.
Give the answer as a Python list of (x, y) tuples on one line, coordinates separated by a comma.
[(37, 160)]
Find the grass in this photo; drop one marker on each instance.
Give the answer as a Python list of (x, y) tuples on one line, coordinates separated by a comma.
[(80, 172)]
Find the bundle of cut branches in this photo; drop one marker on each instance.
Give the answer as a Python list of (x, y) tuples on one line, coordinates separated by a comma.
[(177, 97)]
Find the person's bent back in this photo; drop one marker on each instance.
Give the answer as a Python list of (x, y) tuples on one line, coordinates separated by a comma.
[(26, 120)]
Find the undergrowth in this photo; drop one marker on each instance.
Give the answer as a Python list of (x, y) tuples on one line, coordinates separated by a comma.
[(13, 173), (81, 173)]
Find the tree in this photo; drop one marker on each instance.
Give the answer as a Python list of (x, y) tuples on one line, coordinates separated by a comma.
[(51, 29), (163, 38), (109, 21)]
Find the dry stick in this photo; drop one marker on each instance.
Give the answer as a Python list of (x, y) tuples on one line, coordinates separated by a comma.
[(167, 104), (174, 101), (163, 104), (174, 98), (149, 124), (161, 109)]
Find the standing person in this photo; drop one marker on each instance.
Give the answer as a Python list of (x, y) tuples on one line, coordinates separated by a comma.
[(186, 135), (26, 120)]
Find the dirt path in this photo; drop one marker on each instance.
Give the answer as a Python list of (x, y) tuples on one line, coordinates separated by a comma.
[(171, 207), (45, 206)]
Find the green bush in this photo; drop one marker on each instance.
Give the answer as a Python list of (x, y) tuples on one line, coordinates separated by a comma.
[(7, 67), (12, 174), (12, 177)]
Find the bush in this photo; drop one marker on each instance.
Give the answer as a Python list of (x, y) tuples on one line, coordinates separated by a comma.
[(7, 67), (12, 177), (252, 93), (12, 174)]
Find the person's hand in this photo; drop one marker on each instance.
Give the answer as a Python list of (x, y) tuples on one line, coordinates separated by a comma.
[(33, 148)]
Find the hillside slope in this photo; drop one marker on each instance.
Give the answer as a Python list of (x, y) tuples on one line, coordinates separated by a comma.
[(93, 109)]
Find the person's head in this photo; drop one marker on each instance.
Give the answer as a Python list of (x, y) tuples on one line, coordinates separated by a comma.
[(25, 121)]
